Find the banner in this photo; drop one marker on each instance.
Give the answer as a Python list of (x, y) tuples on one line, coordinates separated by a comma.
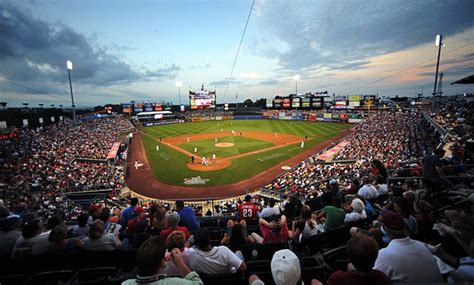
[(332, 152), (312, 117), (295, 102), (113, 150)]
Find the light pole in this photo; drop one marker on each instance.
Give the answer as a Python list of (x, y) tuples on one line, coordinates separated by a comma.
[(439, 44), (296, 78), (179, 84), (69, 68)]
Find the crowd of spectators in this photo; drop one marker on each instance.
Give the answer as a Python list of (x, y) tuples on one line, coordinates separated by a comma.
[(40, 164), (207, 113), (392, 232)]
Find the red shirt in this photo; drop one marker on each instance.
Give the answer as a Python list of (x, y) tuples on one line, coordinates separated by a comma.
[(166, 232), (351, 278), (248, 211)]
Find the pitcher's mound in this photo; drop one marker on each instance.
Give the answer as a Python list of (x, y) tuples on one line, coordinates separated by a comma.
[(224, 144)]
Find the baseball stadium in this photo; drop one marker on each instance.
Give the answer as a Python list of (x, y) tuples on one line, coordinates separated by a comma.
[(110, 176)]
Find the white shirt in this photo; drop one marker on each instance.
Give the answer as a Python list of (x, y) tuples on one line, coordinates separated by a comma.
[(368, 192), (170, 267), (308, 231), (36, 245), (218, 260), (269, 211), (354, 216), (382, 189), (409, 261)]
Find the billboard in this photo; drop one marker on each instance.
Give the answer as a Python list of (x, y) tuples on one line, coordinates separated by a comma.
[(354, 100), (138, 107), (202, 99), (317, 102), (127, 108), (277, 102), (286, 103), (306, 102), (296, 102)]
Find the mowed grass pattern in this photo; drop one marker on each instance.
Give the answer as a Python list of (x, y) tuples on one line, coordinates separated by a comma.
[(169, 165), (241, 145)]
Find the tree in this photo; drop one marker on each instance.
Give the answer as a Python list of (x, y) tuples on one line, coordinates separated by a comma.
[(248, 103), (262, 103)]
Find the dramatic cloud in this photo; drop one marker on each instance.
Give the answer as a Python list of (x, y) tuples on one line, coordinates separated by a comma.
[(310, 34), (34, 51)]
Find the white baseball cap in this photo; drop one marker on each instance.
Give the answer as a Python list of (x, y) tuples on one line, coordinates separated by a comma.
[(286, 268)]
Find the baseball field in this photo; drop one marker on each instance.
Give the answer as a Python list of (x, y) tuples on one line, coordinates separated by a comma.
[(204, 154)]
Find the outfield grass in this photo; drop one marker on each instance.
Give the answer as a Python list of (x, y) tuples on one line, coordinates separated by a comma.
[(169, 165), (241, 145)]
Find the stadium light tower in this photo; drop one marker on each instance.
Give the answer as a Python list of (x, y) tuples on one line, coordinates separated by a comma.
[(69, 68), (296, 78), (179, 84), (439, 43)]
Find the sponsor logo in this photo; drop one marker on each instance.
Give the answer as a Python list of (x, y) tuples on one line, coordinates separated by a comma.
[(195, 180)]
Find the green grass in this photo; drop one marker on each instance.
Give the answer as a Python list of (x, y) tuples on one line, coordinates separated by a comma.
[(169, 165), (241, 145)]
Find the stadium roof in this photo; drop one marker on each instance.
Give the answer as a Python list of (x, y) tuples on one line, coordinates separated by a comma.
[(466, 80)]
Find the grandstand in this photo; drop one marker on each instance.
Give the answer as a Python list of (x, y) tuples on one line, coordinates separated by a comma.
[(59, 183)]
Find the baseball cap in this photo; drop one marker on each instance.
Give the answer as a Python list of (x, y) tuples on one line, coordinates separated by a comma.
[(9, 222), (286, 268), (248, 197), (139, 210), (392, 221), (333, 181)]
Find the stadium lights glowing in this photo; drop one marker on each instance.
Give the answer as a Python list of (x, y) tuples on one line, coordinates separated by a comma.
[(179, 84), (69, 68), (296, 78)]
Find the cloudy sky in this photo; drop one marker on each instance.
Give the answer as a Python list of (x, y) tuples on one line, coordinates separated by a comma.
[(126, 50)]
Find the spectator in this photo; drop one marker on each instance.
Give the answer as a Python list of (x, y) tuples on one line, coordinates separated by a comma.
[(433, 170), (404, 208), (58, 241), (139, 224), (358, 212), (236, 234), (173, 221), (214, 260), (305, 225), (150, 261), (81, 230), (33, 241), (293, 207), (248, 210), (159, 222), (362, 252), (333, 214), (405, 260), (9, 233), (285, 267), (367, 191), (188, 219), (129, 213), (110, 227), (176, 239), (275, 231), (379, 169), (270, 210), (380, 185), (97, 240)]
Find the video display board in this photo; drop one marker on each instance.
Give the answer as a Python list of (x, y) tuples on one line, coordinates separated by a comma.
[(202, 99), (354, 100), (296, 102), (306, 102), (286, 103)]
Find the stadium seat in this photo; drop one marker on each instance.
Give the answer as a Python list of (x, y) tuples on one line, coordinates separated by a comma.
[(121, 275), (266, 251), (98, 275), (314, 272), (209, 222), (49, 277), (335, 238), (337, 258), (218, 279), (246, 250), (12, 279)]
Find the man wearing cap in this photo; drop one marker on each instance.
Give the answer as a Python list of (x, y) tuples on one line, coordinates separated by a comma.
[(248, 210), (367, 191), (405, 260), (140, 223), (285, 267)]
